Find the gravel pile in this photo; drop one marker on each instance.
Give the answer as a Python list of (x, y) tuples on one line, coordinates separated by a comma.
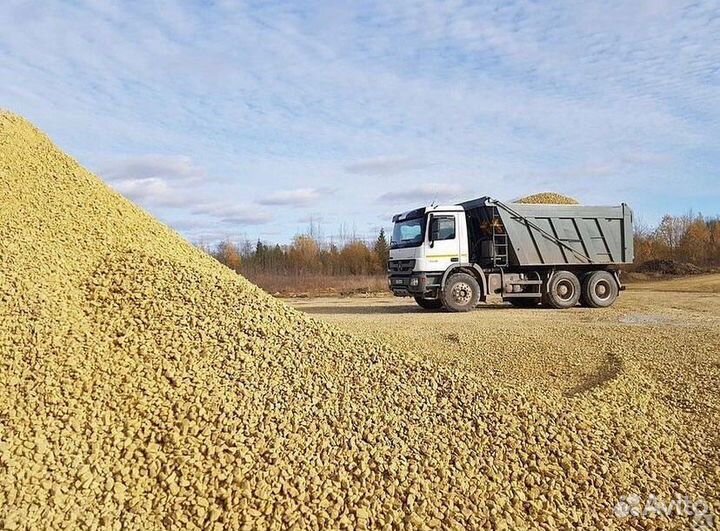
[(145, 386), (547, 198)]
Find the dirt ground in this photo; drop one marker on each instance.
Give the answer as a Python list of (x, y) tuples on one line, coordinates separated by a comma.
[(661, 342)]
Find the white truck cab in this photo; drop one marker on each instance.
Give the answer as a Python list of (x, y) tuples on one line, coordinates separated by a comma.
[(426, 242), (434, 236)]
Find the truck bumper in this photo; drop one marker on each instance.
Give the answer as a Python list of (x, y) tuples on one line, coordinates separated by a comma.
[(424, 285)]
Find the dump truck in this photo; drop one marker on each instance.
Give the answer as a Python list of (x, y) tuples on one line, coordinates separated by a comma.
[(559, 256)]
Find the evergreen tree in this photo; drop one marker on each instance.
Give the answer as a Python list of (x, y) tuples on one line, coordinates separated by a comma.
[(382, 249), (260, 256)]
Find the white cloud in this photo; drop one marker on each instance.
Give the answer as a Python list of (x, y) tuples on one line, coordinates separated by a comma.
[(248, 218), (296, 197), (154, 180), (152, 191), (238, 214), (423, 192), (164, 167), (383, 166)]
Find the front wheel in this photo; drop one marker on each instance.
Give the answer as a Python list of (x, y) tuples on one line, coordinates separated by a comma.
[(429, 304), (461, 293)]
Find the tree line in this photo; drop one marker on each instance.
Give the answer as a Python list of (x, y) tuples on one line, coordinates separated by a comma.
[(305, 255), (688, 238)]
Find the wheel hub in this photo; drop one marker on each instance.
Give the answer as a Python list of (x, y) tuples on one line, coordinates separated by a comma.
[(602, 290), (565, 290), (461, 293)]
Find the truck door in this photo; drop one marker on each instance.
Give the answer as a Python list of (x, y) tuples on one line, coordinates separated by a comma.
[(443, 241)]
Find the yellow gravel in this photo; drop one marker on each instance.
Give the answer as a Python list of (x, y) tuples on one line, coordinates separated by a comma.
[(547, 198), (653, 355), (145, 386)]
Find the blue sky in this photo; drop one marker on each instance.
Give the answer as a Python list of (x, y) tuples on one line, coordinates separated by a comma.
[(247, 119)]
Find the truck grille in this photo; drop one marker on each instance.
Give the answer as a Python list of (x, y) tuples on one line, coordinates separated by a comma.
[(400, 266)]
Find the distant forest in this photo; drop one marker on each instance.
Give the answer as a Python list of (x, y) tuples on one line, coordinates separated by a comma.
[(690, 238), (308, 263)]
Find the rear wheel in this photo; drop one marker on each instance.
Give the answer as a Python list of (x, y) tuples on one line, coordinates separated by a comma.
[(429, 304), (563, 291), (461, 293), (599, 289)]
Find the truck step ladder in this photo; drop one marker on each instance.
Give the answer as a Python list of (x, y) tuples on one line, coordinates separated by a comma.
[(500, 241)]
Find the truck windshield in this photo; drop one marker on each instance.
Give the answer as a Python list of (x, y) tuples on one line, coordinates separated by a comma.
[(408, 233)]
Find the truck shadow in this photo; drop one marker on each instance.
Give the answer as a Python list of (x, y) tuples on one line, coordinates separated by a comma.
[(392, 309)]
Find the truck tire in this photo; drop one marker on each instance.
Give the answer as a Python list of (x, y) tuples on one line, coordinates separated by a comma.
[(599, 289), (461, 293), (429, 304), (563, 291)]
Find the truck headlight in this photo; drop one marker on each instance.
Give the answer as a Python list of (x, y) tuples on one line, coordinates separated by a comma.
[(414, 281)]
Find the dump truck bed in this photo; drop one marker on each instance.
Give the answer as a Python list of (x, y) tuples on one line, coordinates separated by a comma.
[(559, 235)]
